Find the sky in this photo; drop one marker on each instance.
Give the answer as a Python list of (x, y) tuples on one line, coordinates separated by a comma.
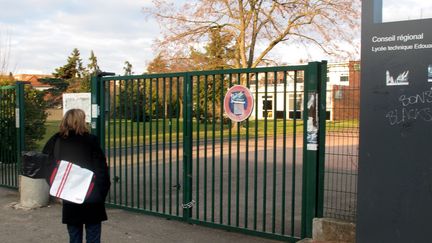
[(43, 33), (406, 10)]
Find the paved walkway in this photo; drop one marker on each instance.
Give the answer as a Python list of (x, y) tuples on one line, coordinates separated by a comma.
[(44, 225)]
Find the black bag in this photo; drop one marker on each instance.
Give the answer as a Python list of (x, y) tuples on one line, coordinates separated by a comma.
[(34, 164)]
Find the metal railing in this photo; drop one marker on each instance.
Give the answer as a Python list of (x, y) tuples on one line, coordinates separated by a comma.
[(342, 141), (11, 133)]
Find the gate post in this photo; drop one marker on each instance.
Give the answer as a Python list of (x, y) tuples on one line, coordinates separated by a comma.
[(98, 106), (19, 123), (313, 140), (187, 149), (95, 108), (322, 118)]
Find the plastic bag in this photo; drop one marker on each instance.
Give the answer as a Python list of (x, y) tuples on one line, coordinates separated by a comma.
[(34, 164)]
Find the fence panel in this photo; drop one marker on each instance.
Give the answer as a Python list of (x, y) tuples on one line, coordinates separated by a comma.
[(173, 152), (8, 137), (143, 141), (342, 139), (248, 175)]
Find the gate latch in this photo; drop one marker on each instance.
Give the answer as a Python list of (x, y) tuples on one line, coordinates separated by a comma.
[(188, 205)]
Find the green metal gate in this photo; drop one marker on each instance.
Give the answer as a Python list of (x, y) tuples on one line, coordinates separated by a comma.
[(11, 133), (172, 152)]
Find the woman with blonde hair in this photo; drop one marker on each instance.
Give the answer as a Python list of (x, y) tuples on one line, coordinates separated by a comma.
[(75, 144)]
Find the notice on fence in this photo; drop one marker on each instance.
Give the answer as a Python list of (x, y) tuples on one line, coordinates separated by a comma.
[(312, 122), (78, 101), (238, 103)]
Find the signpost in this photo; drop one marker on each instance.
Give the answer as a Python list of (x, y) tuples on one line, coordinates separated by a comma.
[(395, 167)]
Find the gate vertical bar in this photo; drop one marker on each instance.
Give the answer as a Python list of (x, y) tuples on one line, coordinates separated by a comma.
[(197, 169), (157, 143), (310, 148), (187, 149), (221, 182), (294, 155)]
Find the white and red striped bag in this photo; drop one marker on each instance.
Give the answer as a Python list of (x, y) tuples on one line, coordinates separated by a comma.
[(71, 182)]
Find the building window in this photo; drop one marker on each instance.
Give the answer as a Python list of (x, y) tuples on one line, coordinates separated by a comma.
[(267, 105), (280, 115), (295, 106), (344, 78), (357, 67), (300, 77), (338, 94), (295, 115), (267, 114)]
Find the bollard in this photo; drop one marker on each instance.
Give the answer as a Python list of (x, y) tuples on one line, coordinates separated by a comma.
[(34, 193)]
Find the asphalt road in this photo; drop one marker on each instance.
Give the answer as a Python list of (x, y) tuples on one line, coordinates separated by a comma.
[(247, 186), (44, 225)]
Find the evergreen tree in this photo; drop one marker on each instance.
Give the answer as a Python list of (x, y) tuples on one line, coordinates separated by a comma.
[(161, 65), (72, 72), (127, 68), (218, 51), (58, 87), (35, 117), (73, 68), (93, 66), (92, 70), (34, 120), (218, 55)]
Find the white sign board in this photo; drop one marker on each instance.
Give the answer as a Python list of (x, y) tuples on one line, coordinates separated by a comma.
[(78, 101)]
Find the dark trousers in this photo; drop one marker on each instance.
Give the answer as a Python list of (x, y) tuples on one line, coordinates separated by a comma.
[(93, 233)]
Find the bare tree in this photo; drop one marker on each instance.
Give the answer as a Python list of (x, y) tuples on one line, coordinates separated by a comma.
[(257, 26)]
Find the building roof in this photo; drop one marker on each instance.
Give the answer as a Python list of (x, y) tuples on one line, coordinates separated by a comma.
[(33, 79)]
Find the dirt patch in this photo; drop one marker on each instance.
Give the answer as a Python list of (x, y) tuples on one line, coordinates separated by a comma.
[(54, 114)]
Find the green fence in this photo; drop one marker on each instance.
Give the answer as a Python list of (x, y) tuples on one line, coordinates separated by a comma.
[(146, 147), (342, 139), (11, 133), (172, 152)]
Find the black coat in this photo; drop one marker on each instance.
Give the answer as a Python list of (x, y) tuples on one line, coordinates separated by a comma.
[(83, 150)]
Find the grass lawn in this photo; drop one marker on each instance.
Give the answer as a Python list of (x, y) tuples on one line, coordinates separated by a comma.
[(157, 129), (344, 125), (51, 128)]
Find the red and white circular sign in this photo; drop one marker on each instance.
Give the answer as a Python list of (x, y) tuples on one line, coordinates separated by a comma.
[(238, 103)]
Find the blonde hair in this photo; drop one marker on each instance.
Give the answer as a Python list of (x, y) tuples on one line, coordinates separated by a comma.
[(73, 120)]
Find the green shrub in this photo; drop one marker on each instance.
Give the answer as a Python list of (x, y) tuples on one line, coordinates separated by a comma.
[(35, 117)]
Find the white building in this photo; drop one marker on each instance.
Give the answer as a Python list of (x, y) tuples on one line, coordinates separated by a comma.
[(272, 99)]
